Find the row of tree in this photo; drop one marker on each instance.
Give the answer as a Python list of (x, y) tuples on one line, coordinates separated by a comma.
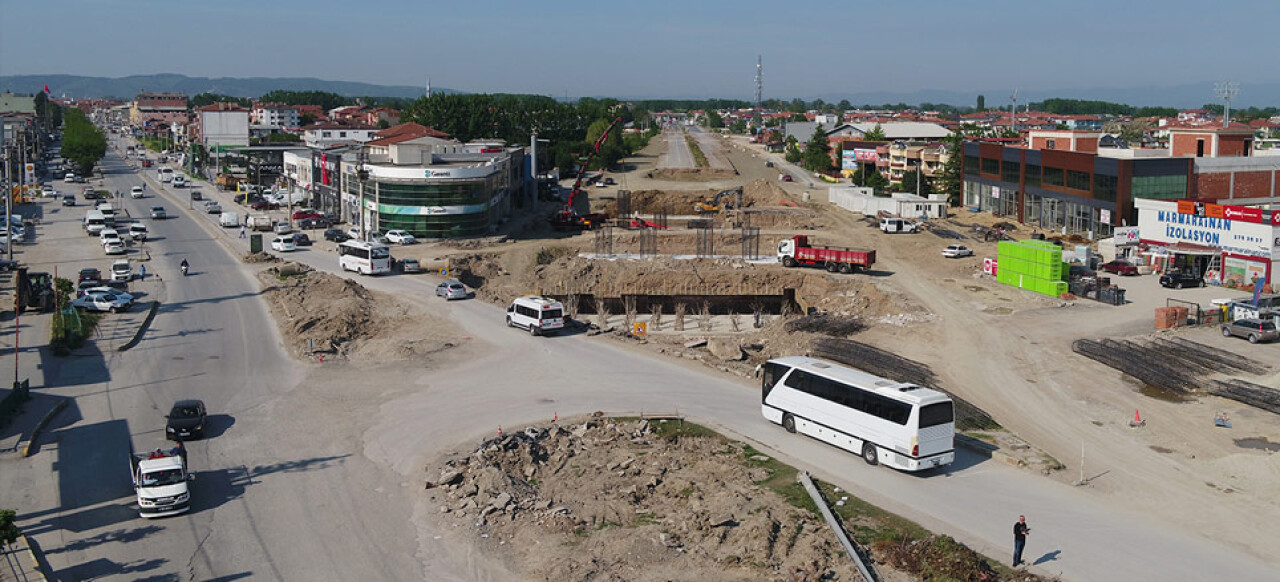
[(83, 144)]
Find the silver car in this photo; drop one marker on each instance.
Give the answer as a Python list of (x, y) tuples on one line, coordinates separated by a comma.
[(1255, 330), (452, 289)]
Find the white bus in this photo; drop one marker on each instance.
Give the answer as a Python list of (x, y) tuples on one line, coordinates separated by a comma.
[(364, 257), (901, 425)]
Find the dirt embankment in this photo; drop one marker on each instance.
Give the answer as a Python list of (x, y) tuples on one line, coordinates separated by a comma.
[(325, 316), (608, 500)]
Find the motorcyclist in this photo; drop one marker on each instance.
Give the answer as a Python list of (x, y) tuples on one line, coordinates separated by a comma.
[(184, 266)]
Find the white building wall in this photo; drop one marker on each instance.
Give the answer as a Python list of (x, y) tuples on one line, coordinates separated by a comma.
[(225, 128)]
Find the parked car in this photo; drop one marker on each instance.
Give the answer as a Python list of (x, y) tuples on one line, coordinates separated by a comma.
[(100, 301), (957, 251), (410, 266), (353, 233), (212, 207), (135, 192), (768, 164), (306, 213), (186, 420), (7, 265), (283, 244), (451, 289), (1180, 279), (121, 293), (264, 205), (91, 276), (609, 182), (314, 223), (109, 235), (281, 227), (1080, 272), (89, 194), (1255, 330), (400, 237), (1119, 267), (115, 247), (301, 239), (158, 213), (336, 235)]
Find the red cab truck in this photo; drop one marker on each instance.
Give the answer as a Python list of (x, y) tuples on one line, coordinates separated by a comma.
[(797, 251)]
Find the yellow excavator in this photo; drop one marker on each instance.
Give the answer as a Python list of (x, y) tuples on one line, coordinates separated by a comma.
[(713, 205)]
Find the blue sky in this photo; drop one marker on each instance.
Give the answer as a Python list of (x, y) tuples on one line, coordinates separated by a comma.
[(657, 48)]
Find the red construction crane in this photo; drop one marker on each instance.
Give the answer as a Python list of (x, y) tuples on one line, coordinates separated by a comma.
[(568, 217)]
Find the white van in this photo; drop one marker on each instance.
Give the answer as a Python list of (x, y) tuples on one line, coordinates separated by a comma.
[(108, 212), (94, 222), (165, 175), (138, 231), (229, 219), (539, 315), (897, 225)]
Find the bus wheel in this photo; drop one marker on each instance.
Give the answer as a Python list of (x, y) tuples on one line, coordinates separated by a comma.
[(869, 454), (789, 422)]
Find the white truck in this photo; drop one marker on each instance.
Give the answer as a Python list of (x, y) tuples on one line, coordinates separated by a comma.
[(259, 222), (160, 480)]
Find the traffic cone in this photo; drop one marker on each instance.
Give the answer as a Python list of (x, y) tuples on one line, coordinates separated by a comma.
[(1137, 419), (556, 418), (499, 431)]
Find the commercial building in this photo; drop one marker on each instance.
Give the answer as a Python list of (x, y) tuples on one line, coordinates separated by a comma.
[(1228, 245), (158, 108)]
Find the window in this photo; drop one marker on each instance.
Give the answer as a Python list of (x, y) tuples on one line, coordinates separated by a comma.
[(850, 396), (990, 166), (1078, 180), (1160, 187), (342, 134), (1053, 176), (1032, 175), (936, 414), (1104, 187), (326, 134), (1049, 143), (1009, 172)]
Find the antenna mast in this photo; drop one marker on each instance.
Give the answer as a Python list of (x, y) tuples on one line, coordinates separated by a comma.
[(1226, 90), (759, 88)]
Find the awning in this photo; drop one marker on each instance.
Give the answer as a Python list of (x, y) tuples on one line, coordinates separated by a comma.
[(1182, 249)]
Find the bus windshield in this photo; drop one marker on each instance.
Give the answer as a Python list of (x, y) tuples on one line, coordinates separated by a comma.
[(380, 252)]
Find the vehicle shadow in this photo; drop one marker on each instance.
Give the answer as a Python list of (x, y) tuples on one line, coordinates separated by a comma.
[(217, 424)]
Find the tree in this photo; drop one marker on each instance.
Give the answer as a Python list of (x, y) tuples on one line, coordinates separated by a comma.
[(951, 180), (9, 531), (817, 152), (876, 134), (714, 121), (868, 176), (909, 180), (83, 144), (844, 105), (739, 126), (792, 153), (982, 102)]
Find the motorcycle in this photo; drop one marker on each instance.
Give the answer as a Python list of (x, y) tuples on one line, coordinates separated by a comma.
[(184, 269)]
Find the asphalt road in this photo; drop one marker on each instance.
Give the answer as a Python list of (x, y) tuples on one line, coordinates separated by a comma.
[(289, 487), (677, 153)]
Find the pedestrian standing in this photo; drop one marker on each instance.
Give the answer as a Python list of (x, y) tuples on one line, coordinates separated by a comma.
[(1020, 531), (242, 231), (142, 272)]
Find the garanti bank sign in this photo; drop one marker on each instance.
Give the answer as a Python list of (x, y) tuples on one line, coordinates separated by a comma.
[(1236, 230)]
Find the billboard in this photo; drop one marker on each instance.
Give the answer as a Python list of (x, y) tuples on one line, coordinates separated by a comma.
[(848, 160)]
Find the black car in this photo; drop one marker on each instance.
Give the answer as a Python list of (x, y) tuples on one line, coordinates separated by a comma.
[(195, 195), (301, 239), (314, 223), (1180, 279), (6, 265), (336, 235), (68, 200), (90, 275), (186, 420)]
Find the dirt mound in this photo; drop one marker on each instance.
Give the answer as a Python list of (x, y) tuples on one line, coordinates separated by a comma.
[(610, 500), (676, 202), (692, 174), (260, 257), (323, 315)]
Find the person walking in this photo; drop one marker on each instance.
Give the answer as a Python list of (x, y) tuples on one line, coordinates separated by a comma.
[(242, 231), (1020, 531)]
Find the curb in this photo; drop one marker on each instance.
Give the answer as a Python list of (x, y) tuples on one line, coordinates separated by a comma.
[(35, 432), (34, 556), (146, 324)]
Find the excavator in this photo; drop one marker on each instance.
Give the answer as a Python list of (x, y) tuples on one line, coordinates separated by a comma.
[(568, 218), (708, 207)]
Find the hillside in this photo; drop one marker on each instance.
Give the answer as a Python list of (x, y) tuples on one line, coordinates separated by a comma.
[(127, 87)]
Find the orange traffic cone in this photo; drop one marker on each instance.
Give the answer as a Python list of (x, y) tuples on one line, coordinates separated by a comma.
[(499, 431), (556, 418), (1137, 419)]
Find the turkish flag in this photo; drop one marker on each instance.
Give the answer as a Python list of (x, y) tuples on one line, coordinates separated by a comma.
[(46, 88)]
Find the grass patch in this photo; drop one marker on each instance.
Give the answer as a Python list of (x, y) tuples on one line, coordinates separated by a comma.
[(982, 436), (70, 329), (699, 158), (674, 430)]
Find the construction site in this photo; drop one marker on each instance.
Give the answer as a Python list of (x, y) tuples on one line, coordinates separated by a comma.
[(1179, 423)]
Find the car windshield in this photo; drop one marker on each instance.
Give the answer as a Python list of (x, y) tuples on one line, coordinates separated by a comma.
[(161, 478), (185, 412)]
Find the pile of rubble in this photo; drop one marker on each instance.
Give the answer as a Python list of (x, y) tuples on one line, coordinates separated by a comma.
[(612, 500)]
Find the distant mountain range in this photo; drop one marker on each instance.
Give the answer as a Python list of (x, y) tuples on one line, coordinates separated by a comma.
[(1186, 96), (125, 88)]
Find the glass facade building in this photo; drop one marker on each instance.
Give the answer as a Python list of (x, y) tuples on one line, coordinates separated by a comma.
[(1068, 192)]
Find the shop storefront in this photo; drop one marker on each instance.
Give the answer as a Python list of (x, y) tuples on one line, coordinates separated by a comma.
[(1228, 245)]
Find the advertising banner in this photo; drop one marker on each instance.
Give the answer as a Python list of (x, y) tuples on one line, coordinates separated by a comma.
[(848, 160)]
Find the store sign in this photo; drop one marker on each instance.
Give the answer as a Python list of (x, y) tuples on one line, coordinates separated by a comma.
[(866, 155), (990, 266), (848, 160), (1127, 235), (1231, 236), (1242, 213)]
